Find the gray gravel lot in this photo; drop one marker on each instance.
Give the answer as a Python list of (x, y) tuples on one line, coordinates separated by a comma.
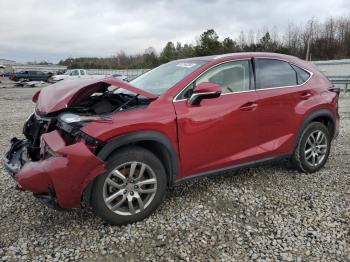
[(267, 213)]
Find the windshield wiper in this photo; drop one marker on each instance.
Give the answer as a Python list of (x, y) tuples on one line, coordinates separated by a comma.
[(120, 108)]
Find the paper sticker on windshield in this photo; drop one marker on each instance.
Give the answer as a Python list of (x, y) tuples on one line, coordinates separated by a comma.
[(186, 65)]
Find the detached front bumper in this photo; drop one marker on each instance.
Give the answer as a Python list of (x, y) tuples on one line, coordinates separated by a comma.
[(16, 156), (61, 175)]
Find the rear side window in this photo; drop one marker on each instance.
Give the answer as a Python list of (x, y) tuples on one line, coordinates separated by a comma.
[(302, 75), (274, 73)]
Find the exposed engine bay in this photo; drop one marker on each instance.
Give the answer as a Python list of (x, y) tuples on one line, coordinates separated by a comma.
[(97, 105), (107, 100)]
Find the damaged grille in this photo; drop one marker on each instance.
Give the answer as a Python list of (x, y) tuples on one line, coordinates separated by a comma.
[(45, 151), (33, 128)]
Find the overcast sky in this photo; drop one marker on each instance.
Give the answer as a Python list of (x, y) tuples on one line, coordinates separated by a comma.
[(56, 29)]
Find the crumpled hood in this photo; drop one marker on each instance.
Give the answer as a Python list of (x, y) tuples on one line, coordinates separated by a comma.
[(61, 95)]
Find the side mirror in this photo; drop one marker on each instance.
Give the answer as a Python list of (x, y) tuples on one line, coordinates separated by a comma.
[(204, 90)]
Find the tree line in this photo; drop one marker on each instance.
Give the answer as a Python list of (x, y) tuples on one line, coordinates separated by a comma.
[(312, 41)]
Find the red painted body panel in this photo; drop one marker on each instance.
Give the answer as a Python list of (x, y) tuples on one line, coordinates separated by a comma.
[(68, 172), (214, 135), (156, 117)]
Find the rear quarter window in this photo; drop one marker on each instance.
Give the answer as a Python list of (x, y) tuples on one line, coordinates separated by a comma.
[(302, 75)]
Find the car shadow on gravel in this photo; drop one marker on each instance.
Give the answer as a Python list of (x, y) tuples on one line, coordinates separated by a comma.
[(235, 178), (199, 191)]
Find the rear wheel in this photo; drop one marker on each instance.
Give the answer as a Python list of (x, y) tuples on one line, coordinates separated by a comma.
[(131, 189), (313, 148)]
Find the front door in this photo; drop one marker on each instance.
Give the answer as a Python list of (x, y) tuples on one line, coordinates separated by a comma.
[(220, 132)]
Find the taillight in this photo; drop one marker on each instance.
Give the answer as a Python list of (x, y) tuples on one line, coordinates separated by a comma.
[(36, 96), (334, 89)]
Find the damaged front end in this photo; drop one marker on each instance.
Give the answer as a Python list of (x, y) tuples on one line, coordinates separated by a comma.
[(28, 149), (61, 174), (56, 160)]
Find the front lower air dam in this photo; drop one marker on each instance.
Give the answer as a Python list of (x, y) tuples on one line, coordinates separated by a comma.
[(66, 172)]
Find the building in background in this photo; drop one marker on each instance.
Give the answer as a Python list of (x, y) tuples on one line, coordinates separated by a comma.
[(13, 66), (6, 62), (6, 66)]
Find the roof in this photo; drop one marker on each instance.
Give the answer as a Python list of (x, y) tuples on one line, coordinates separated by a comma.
[(239, 55), (246, 55)]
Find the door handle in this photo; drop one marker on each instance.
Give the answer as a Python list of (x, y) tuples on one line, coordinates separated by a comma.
[(250, 106), (305, 95)]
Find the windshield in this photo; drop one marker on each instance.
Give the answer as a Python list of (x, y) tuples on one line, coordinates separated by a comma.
[(159, 80), (67, 72)]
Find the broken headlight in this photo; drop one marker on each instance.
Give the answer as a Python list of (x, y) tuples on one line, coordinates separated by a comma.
[(74, 118), (71, 124)]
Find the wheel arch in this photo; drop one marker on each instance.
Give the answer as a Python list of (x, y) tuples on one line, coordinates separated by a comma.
[(324, 116), (153, 141)]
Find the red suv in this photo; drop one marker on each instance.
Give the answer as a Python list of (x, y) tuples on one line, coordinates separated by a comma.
[(118, 146)]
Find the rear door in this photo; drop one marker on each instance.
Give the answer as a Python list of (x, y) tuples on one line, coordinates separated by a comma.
[(35, 75), (26, 75), (279, 91), (32, 75), (220, 132)]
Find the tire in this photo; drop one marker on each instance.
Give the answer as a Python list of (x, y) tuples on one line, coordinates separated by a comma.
[(312, 151), (148, 186)]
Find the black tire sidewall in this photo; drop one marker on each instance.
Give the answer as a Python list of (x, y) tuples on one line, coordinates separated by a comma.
[(122, 156), (300, 157)]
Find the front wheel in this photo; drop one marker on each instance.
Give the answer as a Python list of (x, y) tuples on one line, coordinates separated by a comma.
[(312, 149), (131, 189)]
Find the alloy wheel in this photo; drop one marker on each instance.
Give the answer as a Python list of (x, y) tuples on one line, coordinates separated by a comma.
[(316, 148), (129, 188)]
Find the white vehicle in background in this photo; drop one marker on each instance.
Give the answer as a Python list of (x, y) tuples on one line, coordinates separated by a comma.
[(72, 74), (80, 74)]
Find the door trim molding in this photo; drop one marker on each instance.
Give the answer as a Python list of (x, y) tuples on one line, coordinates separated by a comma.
[(231, 168)]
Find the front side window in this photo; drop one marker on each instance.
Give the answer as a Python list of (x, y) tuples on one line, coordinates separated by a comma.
[(82, 72), (274, 73), (231, 76)]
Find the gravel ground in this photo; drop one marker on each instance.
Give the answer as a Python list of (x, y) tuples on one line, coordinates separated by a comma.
[(267, 213)]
